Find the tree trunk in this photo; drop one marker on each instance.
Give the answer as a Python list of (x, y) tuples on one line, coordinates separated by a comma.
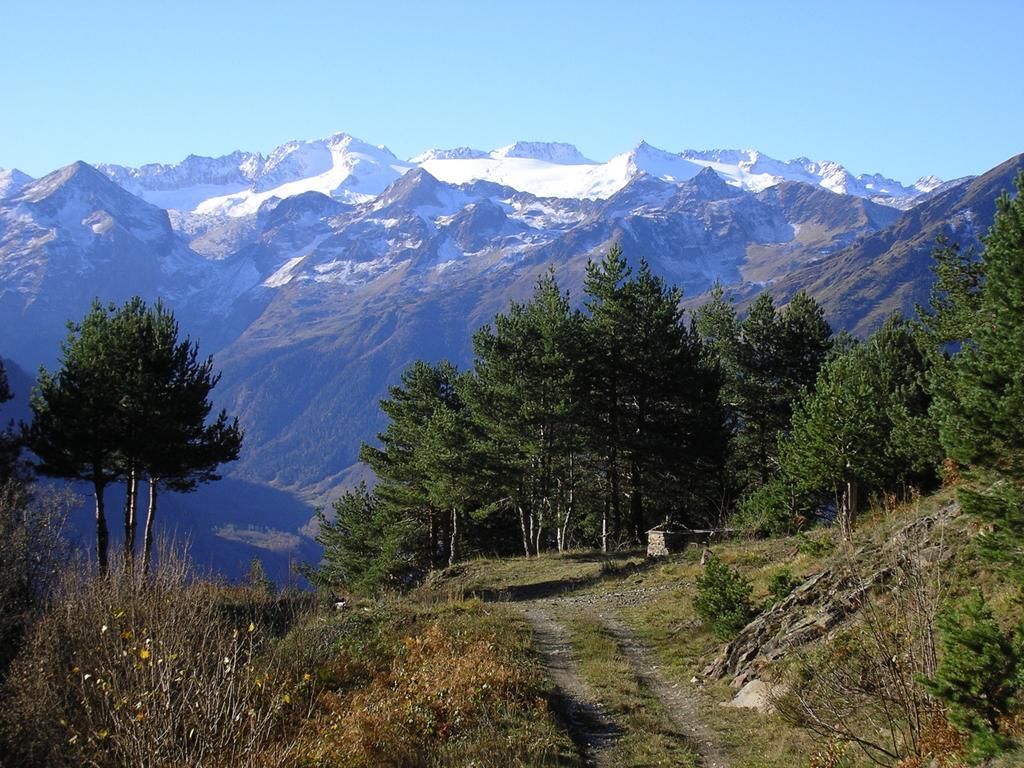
[(636, 501), (604, 527), (102, 535), (130, 508), (147, 539), (849, 508), (434, 544), (522, 527), (453, 547), (613, 481)]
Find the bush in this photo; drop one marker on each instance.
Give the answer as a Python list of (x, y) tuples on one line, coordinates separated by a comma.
[(31, 529), (174, 671), (781, 583), (723, 599), (980, 675), (776, 509)]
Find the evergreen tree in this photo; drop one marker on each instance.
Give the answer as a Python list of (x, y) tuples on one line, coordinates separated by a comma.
[(10, 444), (953, 298), (606, 339), (370, 543), (865, 426), (130, 401), (523, 397), (778, 356), (804, 345), (181, 448), (403, 464), (982, 406), (837, 436), (980, 675), (675, 426), (75, 425), (760, 399), (651, 394)]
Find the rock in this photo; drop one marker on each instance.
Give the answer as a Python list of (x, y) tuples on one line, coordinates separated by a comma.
[(822, 601), (756, 695)]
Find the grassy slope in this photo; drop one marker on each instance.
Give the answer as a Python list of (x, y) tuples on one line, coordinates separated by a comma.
[(662, 615)]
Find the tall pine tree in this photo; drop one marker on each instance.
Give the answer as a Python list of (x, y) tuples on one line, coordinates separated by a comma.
[(982, 410)]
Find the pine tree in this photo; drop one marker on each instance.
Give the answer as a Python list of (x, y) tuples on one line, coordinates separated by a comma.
[(838, 434), (804, 345), (865, 425), (651, 395), (778, 357), (524, 400), (982, 406), (979, 676), (75, 425), (11, 469), (181, 448), (368, 544), (761, 413), (606, 338), (402, 463), (129, 400)]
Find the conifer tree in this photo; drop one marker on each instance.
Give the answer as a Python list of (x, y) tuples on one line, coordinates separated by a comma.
[(864, 426), (75, 424), (10, 443), (369, 543), (760, 398), (524, 400), (778, 356), (607, 336), (651, 392), (982, 408), (130, 401), (403, 463), (980, 675)]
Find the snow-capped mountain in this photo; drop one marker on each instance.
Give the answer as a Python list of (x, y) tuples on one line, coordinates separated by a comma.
[(341, 166), (317, 273), (354, 171), (11, 180)]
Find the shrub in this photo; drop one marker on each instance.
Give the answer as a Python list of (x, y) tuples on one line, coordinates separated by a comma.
[(781, 583), (979, 677), (723, 599), (31, 529), (161, 673), (862, 686)]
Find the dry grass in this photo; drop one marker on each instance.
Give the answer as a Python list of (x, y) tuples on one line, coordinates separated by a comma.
[(449, 685), (648, 737), (169, 672)]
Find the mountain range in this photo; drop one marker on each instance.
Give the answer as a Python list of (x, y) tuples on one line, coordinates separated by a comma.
[(315, 274)]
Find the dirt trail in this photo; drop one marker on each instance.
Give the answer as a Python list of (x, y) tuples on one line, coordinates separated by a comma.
[(590, 728), (681, 705), (593, 730)]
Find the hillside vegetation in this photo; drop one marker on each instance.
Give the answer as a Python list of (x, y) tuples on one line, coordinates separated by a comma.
[(862, 603)]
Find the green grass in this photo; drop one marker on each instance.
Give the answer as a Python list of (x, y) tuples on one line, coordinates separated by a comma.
[(648, 737)]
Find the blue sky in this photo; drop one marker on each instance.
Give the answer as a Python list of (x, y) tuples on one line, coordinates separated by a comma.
[(904, 88)]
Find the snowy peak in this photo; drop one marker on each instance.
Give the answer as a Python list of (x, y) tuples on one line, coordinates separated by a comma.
[(353, 171), (12, 180), (342, 166), (86, 204), (457, 153), (928, 183), (663, 165), (547, 151)]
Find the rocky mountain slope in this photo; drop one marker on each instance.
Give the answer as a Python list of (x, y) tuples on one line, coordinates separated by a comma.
[(889, 270), (317, 273)]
